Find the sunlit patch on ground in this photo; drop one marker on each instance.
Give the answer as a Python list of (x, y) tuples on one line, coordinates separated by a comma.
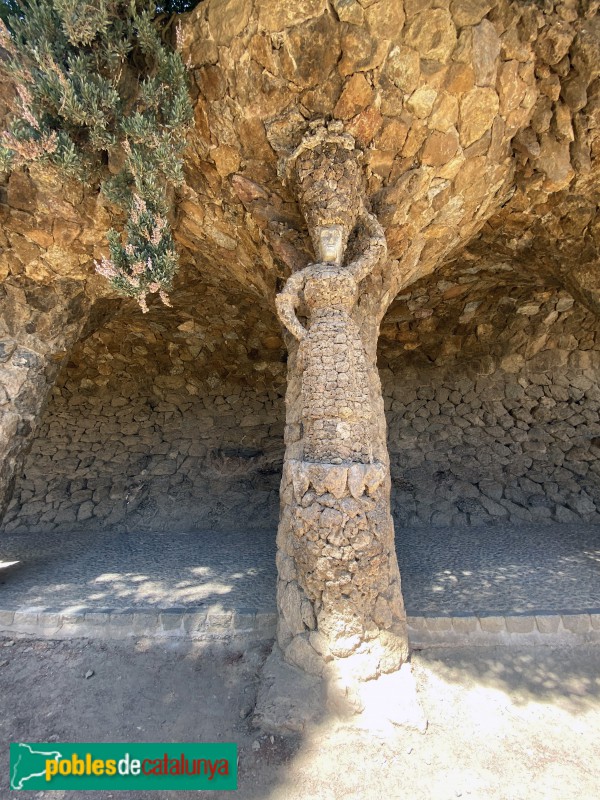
[(500, 570)]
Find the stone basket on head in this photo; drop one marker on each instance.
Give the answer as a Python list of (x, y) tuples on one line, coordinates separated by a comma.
[(326, 175)]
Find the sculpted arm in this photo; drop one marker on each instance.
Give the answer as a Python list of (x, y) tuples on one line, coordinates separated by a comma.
[(375, 250), (286, 303)]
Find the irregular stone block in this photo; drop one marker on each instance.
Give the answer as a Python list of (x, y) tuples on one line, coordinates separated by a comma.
[(465, 625), (171, 621), (349, 11), (120, 619), (374, 477), (228, 18), (25, 617), (290, 606), (576, 623), (469, 12), (486, 52), (97, 617), (548, 623), (194, 621), (335, 481), (417, 623), (385, 19), (492, 624), (289, 699), (432, 34), (520, 624), (300, 476), (220, 619), (303, 655), (402, 66), (361, 51), (356, 480), (273, 15), (438, 624), (6, 618), (478, 109), (357, 94)]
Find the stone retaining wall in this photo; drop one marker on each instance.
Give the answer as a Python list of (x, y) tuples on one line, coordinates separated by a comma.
[(146, 430), (491, 419), (504, 447), (145, 462), (494, 421)]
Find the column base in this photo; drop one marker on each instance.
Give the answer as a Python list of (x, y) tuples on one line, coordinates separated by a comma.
[(339, 593), (290, 700)]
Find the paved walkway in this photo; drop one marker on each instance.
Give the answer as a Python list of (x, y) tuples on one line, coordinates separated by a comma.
[(145, 570), (499, 570)]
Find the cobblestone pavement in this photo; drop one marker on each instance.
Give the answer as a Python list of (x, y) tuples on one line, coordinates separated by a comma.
[(155, 570), (500, 569), (493, 570)]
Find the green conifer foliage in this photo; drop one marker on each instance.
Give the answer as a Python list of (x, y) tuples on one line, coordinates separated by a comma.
[(102, 99)]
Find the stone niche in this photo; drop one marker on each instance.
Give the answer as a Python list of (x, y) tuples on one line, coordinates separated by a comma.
[(493, 397), (175, 421), (170, 421)]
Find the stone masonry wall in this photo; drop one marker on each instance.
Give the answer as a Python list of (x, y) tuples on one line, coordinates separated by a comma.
[(498, 448), (482, 433), (493, 410), (148, 462), (146, 430)]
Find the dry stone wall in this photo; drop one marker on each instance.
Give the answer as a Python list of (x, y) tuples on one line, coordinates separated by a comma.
[(167, 421), (494, 408), (145, 462), (493, 415)]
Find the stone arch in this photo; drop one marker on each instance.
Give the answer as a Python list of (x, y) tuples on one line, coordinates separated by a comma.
[(491, 374), (163, 422)]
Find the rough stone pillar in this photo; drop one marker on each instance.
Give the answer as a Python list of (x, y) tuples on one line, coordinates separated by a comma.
[(38, 326), (341, 614)]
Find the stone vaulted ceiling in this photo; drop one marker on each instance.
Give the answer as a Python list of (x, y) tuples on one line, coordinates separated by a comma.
[(479, 125)]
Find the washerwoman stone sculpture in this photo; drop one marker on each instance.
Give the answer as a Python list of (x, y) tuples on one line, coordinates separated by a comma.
[(341, 616), (336, 406)]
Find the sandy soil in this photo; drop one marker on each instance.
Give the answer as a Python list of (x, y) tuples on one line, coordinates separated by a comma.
[(503, 724)]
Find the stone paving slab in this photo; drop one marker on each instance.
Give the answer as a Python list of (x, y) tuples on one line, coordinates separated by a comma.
[(139, 570), (500, 569)]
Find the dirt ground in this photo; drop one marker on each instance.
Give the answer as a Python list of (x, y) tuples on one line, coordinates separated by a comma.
[(503, 724)]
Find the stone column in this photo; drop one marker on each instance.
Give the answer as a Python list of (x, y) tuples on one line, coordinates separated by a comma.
[(341, 614), (38, 326)]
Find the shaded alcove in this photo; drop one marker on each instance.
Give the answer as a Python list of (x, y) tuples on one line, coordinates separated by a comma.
[(168, 421), (493, 400), (160, 428), (168, 429), (491, 383), (175, 420)]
